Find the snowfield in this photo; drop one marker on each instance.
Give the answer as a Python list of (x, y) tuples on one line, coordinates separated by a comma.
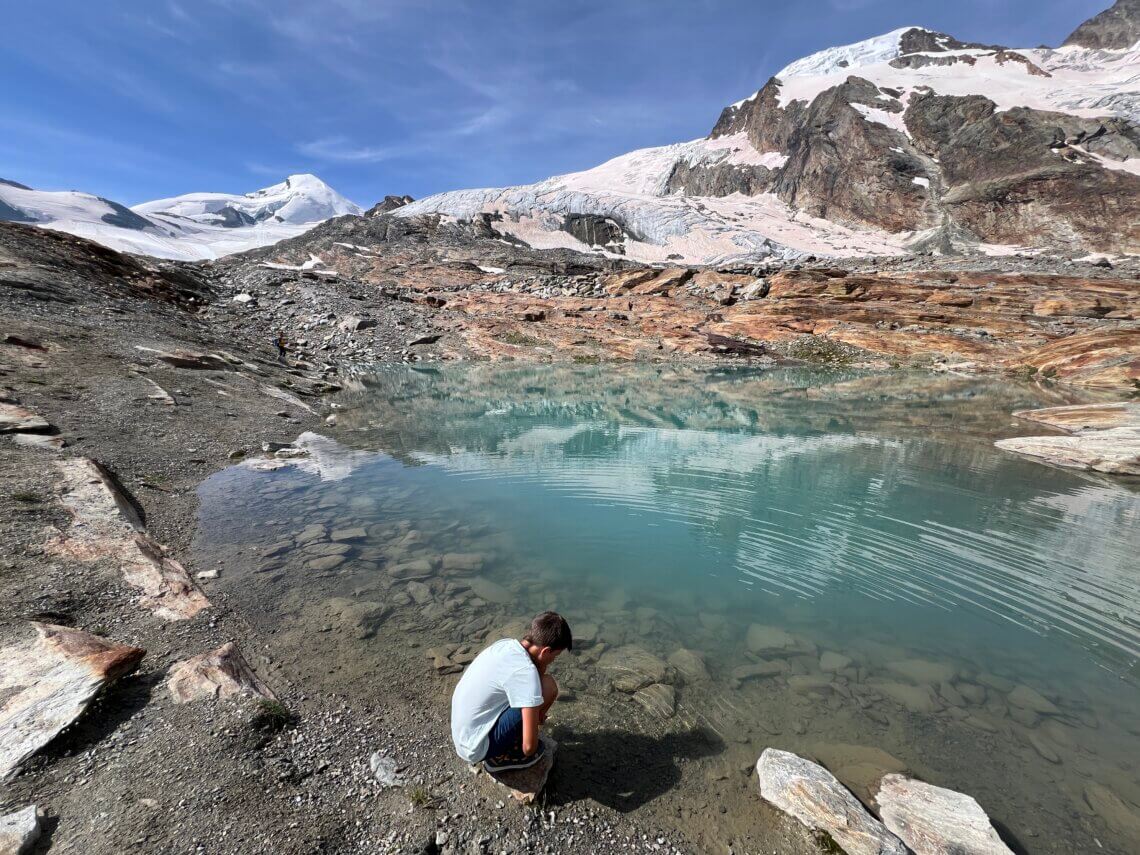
[(193, 227)]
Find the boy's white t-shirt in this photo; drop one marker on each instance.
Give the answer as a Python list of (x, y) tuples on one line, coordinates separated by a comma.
[(501, 676)]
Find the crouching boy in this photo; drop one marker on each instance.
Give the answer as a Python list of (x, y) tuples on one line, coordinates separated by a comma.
[(505, 695)]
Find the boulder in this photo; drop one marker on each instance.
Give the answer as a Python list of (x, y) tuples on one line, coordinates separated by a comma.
[(767, 640), (419, 568), (105, 525), (17, 419), (345, 535), (1030, 699), (526, 784), (220, 673), (936, 821), (758, 669), (657, 699), (19, 831), (190, 359), (632, 667), (690, 665), (462, 563), (917, 699), (811, 794), (1120, 817), (490, 591), (831, 662), (47, 681)]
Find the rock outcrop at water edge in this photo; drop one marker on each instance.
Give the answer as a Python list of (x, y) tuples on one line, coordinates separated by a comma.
[(815, 797), (1102, 437), (936, 821), (47, 682)]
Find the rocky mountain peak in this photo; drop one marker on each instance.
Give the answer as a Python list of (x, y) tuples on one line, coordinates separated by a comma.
[(388, 203), (1116, 28)]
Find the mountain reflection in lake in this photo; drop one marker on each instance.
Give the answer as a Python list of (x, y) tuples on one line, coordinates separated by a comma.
[(826, 562)]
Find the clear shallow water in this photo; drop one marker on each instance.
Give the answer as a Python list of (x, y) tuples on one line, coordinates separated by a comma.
[(915, 578)]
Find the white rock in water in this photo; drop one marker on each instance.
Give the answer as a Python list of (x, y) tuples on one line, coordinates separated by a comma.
[(47, 681), (386, 770), (936, 821), (812, 795), (19, 831), (1115, 451)]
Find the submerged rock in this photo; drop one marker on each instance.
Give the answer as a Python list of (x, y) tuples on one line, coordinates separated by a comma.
[(657, 699), (690, 665), (767, 640), (490, 591), (1118, 816), (19, 831), (632, 668), (936, 821), (48, 681), (812, 795), (220, 673)]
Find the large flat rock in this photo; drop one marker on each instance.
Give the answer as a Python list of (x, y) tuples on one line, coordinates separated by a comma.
[(936, 821), (17, 419), (47, 680), (220, 673), (815, 797), (105, 526), (1082, 417), (1115, 451), (633, 667)]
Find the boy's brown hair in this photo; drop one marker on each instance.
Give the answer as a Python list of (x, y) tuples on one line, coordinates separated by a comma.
[(550, 629)]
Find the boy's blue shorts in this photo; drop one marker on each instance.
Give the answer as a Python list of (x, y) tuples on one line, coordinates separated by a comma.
[(506, 735)]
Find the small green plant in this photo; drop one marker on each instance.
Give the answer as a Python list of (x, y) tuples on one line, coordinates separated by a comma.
[(587, 359), (27, 497), (419, 797), (272, 715), (820, 350), (521, 339)]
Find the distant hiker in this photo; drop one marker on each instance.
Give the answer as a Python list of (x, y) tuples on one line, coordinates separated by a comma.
[(280, 342), (505, 695)]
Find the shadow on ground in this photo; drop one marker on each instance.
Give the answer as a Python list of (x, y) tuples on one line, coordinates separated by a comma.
[(619, 769)]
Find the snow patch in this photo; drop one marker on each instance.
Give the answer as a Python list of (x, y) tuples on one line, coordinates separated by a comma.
[(882, 117)]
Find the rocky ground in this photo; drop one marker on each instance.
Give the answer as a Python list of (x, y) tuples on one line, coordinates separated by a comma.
[(164, 373)]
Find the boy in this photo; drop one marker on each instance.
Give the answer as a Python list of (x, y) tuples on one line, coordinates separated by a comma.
[(506, 694)]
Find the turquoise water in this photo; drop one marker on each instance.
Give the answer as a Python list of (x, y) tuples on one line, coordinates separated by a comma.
[(917, 578)]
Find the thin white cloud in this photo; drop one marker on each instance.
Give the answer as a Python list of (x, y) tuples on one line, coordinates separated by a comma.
[(341, 149)]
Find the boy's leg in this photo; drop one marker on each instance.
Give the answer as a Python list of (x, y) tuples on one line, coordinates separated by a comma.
[(549, 696)]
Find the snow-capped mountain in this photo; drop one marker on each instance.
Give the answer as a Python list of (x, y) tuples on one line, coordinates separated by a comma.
[(912, 139), (190, 227)]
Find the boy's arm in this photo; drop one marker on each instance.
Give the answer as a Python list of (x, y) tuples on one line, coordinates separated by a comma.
[(530, 722)]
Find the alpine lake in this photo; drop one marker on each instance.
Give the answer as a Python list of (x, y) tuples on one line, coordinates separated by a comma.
[(830, 562)]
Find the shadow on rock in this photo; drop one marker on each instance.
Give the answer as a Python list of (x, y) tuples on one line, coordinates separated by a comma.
[(622, 770)]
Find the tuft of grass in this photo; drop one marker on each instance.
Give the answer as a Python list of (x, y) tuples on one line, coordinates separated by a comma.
[(28, 497), (819, 350), (518, 338), (419, 797), (587, 359), (272, 715)]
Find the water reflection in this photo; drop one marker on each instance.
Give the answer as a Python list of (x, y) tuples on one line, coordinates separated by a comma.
[(828, 562)]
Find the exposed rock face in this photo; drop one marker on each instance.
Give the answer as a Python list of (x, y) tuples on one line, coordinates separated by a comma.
[(48, 681), (812, 795), (19, 831), (936, 821), (220, 673), (1115, 28), (596, 231), (388, 203), (106, 525), (1104, 437)]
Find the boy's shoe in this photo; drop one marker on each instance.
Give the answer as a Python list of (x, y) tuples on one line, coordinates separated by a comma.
[(514, 760)]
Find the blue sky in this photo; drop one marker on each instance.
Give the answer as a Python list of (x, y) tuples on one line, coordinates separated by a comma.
[(151, 98)]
